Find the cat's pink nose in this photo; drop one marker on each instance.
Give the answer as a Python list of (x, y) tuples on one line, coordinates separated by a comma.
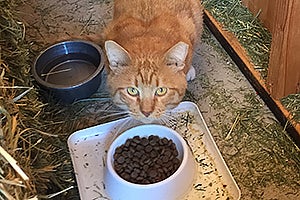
[(146, 113)]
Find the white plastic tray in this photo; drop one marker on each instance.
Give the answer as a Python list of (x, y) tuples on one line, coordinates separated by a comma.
[(88, 152)]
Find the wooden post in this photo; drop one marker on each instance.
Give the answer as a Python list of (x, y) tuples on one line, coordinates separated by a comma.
[(282, 19), (284, 66)]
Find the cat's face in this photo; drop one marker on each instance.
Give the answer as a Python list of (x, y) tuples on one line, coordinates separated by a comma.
[(145, 87)]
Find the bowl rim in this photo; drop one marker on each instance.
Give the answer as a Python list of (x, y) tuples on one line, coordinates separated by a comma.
[(181, 167), (100, 67)]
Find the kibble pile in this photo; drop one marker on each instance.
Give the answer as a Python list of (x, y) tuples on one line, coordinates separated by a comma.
[(146, 160)]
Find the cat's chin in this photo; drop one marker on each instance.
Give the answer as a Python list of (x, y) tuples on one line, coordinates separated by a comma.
[(147, 120)]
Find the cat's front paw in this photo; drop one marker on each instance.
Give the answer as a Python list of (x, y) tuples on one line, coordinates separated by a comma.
[(191, 75)]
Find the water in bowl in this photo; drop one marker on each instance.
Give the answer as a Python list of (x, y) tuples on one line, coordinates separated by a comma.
[(69, 72)]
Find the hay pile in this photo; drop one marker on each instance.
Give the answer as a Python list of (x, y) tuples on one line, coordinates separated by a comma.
[(35, 161), (252, 35), (26, 134), (292, 104)]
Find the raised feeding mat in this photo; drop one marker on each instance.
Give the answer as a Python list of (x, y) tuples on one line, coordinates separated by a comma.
[(88, 149)]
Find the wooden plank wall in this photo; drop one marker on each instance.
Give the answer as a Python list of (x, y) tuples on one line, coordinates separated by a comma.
[(282, 18)]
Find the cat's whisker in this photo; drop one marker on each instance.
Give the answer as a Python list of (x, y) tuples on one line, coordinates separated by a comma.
[(119, 129), (170, 114), (126, 124), (98, 99), (168, 118), (164, 119), (102, 111), (104, 115)]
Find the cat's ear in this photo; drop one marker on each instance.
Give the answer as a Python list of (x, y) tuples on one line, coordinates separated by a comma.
[(117, 56), (176, 55)]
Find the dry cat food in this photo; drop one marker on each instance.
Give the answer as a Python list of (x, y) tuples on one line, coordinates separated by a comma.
[(146, 160)]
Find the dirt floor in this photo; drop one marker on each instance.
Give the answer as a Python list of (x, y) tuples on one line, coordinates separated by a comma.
[(243, 127)]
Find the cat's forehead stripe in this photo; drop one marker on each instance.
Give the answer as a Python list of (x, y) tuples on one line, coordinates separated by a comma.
[(147, 77), (157, 82), (136, 82), (139, 78), (151, 77)]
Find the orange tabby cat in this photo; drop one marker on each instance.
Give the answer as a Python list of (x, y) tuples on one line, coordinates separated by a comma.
[(149, 45)]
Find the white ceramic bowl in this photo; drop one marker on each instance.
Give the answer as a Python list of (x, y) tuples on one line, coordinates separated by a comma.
[(171, 188)]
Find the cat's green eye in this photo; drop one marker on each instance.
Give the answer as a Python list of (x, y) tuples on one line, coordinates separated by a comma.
[(132, 91), (161, 91)]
